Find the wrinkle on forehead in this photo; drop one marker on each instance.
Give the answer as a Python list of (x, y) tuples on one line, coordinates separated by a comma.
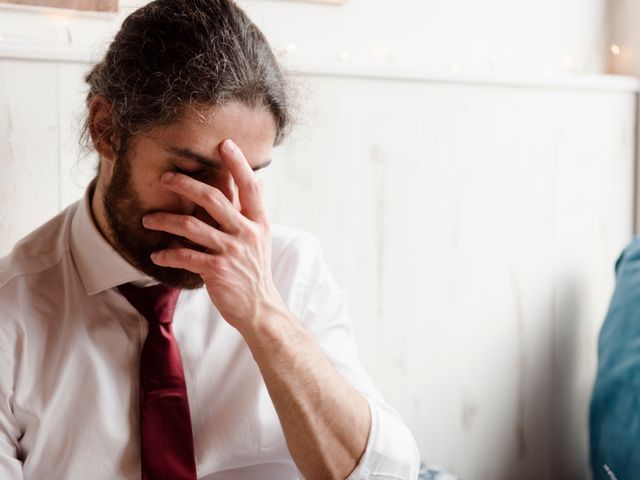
[(202, 131)]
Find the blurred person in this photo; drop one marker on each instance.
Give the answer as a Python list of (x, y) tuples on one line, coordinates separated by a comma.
[(162, 327), (615, 403)]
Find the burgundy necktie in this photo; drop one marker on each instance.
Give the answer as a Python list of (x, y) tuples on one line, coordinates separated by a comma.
[(166, 438)]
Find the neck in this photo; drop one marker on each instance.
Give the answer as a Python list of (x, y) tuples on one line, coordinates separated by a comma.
[(98, 212)]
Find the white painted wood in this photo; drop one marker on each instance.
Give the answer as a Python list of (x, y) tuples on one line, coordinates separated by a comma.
[(77, 167), (619, 83), (475, 230), (29, 161), (492, 36), (473, 217)]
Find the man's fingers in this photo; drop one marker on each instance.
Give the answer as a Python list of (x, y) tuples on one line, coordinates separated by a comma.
[(185, 258), (210, 198), (249, 185), (188, 227)]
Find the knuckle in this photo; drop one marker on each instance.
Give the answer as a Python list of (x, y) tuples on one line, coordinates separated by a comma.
[(183, 181), (187, 222), (186, 255), (209, 196), (234, 248), (252, 233), (255, 186), (213, 196), (213, 262)]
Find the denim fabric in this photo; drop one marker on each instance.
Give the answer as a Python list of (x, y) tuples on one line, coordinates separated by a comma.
[(615, 405), (434, 473)]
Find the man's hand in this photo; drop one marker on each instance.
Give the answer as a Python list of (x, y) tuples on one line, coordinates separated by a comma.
[(236, 266), (325, 421)]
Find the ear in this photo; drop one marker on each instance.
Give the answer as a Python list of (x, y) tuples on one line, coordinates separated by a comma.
[(102, 128)]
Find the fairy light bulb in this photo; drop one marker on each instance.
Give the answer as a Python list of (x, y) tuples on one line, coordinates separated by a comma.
[(290, 48), (343, 55)]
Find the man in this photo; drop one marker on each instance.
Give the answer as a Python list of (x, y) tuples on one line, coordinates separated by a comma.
[(161, 327), (615, 404)]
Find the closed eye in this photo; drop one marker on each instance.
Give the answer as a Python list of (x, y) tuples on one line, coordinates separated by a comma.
[(194, 173)]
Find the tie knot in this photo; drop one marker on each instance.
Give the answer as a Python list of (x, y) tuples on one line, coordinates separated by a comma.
[(155, 303)]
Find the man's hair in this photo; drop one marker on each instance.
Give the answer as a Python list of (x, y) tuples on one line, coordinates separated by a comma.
[(175, 54)]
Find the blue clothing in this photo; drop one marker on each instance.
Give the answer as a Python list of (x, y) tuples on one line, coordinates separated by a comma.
[(432, 472), (615, 405)]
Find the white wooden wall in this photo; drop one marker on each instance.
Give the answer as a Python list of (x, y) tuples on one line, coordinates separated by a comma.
[(475, 228), (473, 222)]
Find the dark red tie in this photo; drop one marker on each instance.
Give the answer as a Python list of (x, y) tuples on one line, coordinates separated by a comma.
[(166, 438)]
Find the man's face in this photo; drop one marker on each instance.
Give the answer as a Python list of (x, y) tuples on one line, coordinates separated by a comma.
[(190, 146)]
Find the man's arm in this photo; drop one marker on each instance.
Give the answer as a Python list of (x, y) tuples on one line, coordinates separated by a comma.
[(326, 422), (321, 307)]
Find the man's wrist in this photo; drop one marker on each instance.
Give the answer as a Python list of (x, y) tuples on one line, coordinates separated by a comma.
[(275, 329)]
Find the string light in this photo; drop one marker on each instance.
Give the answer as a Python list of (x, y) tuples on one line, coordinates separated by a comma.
[(290, 48), (343, 55), (615, 49)]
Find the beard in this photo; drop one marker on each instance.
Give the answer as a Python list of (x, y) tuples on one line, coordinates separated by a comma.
[(124, 212)]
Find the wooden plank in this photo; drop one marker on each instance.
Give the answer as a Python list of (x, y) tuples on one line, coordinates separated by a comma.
[(92, 5), (29, 151)]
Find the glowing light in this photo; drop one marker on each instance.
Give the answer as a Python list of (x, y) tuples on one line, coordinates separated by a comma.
[(290, 48), (343, 55), (615, 49)]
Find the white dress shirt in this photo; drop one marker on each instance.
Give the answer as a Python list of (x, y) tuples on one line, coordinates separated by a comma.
[(69, 364)]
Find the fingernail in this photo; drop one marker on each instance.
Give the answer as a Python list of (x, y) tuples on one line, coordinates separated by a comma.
[(154, 256), (146, 220), (167, 177), (229, 145)]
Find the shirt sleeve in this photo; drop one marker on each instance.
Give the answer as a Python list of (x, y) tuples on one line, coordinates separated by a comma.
[(10, 465), (391, 451)]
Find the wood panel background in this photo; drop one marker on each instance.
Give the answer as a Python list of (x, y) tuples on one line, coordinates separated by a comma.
[(91, 5), (473, 227)]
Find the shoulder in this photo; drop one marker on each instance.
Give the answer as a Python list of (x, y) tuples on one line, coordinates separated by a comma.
[(298, 266), (621, 328), (284, 237), (31, 279), (629, 259), (294, 248), (37, 252)]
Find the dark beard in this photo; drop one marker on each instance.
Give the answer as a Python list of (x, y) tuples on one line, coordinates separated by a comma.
[(134, 242)]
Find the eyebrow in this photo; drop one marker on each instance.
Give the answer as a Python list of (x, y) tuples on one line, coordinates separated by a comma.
[(191, 155)]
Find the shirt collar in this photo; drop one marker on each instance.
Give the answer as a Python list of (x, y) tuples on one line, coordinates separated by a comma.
[(99, 265)]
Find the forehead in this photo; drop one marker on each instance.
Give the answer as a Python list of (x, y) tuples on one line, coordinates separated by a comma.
[(203, 129)]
